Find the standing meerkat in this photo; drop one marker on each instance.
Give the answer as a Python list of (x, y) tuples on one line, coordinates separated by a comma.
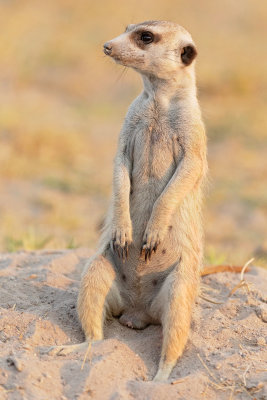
[(148, 263)]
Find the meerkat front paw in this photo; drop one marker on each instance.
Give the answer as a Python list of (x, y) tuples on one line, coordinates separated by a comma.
[(151, 241), (121, 239)]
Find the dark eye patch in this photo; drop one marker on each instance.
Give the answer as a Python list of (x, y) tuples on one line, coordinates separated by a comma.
[(142, 38), (188, 54)]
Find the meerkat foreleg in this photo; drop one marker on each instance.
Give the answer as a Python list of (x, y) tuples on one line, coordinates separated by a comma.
[(182, 181), (174, 304), (121, 220)]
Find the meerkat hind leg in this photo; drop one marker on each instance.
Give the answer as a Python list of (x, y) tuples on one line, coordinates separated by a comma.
[(174, 305), (99, 295), (164, 372)]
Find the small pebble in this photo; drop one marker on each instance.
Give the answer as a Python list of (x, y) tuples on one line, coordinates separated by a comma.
[(32, 276), (255, 385), (17, 363), (262, 312), (261, 341)]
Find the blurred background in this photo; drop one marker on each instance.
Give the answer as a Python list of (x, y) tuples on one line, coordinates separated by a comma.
[(63, 103)]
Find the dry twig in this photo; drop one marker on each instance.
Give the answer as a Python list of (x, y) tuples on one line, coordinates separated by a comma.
[(206, 367), (242, 282), (210, 300), (244, 375), (86, 354), (178, 381), (232, 392), (224, 268)]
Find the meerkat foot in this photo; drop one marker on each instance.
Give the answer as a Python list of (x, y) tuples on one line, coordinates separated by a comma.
[(67, 349), (134, 320)]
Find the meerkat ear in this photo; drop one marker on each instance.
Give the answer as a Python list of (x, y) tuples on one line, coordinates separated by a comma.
[(188, 54)]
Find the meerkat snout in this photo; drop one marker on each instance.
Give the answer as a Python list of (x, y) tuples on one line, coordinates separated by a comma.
[(107, 49)]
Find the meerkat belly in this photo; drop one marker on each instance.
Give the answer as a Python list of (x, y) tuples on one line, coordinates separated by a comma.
[(153, 166)]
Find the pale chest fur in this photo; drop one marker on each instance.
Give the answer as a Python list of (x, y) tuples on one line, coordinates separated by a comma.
[(152, 144)]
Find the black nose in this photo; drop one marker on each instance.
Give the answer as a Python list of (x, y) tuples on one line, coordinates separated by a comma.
[(107, 49)]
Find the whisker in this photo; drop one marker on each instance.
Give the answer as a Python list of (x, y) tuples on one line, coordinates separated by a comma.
[(171, 59), (121, 74)]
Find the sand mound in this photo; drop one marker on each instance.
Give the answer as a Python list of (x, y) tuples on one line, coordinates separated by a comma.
[(226, 355)]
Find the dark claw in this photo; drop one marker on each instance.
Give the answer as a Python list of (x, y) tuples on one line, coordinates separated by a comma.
[(123, 252), (149, 253), (126, 249), (142, 248), (155, 248), (146, 255), (118, 251)]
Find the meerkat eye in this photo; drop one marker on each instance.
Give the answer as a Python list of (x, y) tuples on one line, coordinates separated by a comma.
[(147, 37)]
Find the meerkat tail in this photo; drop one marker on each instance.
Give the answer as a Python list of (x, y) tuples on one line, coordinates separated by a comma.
[(214, 269)]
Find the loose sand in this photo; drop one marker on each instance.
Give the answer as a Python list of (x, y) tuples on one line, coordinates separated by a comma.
[(225, 358)]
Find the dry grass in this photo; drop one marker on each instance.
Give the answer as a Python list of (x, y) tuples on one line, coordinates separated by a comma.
[(62, 106), (227, 268)]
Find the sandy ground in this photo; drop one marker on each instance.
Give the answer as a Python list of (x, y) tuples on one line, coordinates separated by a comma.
[(225, 358)]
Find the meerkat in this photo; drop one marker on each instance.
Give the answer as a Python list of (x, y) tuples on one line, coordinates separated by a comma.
[(147, 267)]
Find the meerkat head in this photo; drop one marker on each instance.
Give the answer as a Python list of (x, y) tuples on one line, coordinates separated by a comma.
[(158, 48)]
